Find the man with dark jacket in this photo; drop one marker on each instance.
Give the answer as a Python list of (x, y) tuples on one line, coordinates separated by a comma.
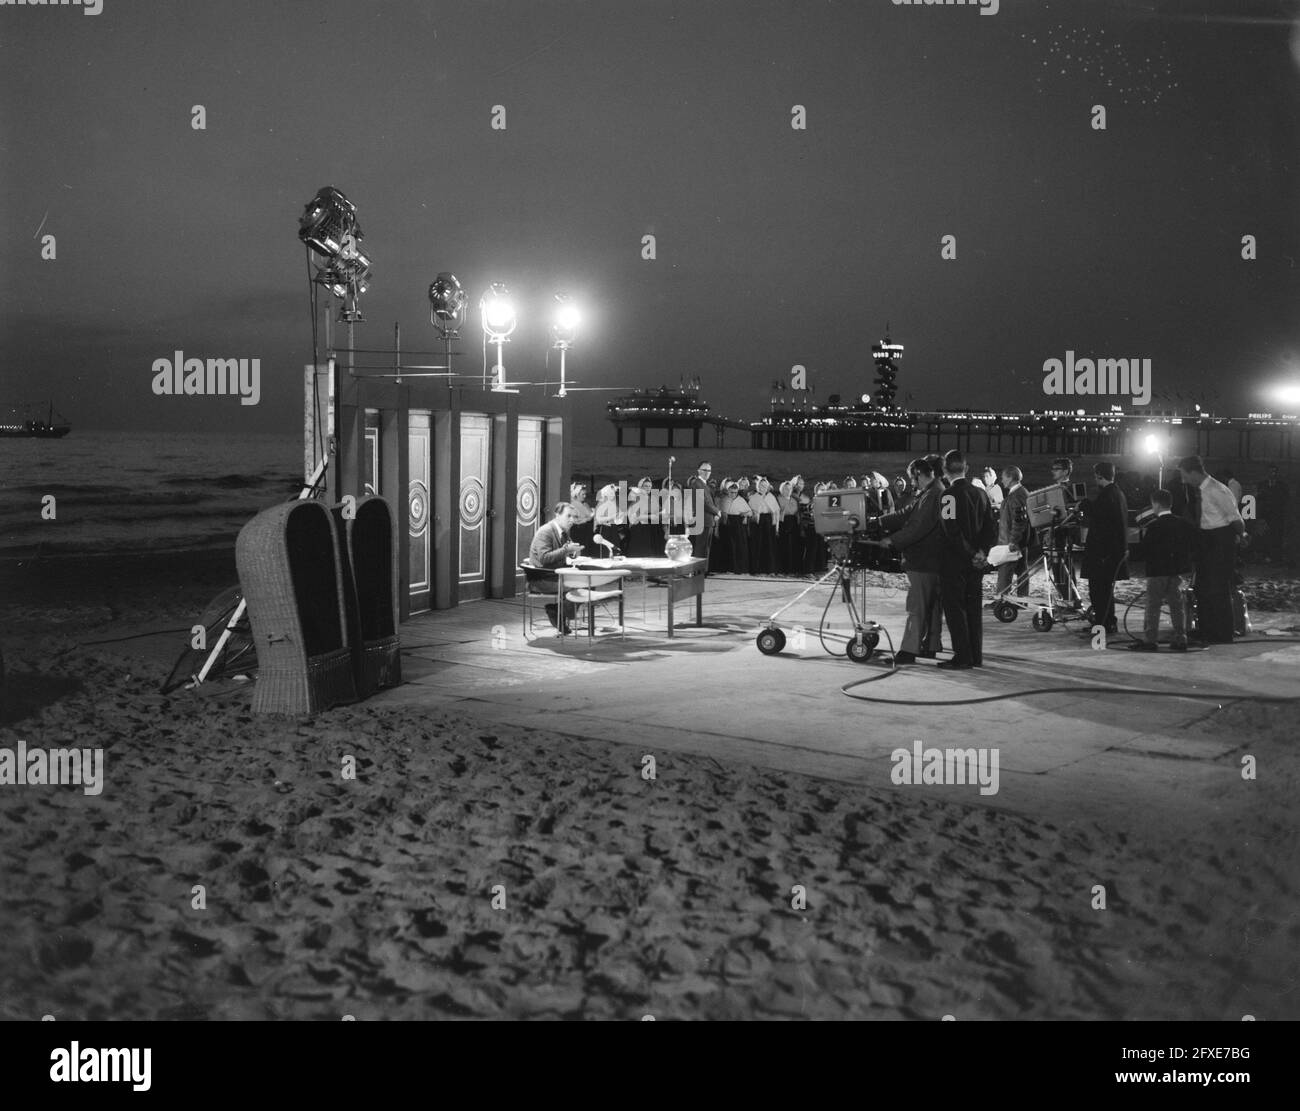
[(551, 548), (915, 532), (1167, 547), (702, 541), (1013, 529), (969, 529), (1105, 550)]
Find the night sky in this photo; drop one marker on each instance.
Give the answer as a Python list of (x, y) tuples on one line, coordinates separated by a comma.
[(775, 246)]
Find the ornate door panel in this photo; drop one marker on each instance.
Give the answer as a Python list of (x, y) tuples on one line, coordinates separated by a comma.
[(528, 488), (475, 473), (419, 508)]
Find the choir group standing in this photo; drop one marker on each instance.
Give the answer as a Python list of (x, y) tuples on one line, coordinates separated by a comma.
[(755, 529)]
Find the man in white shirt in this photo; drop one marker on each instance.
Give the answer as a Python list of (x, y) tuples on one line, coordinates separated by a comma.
[(1215, 514)]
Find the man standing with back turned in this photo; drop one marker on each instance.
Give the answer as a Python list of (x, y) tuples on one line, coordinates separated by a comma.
[(1213, 511), (969, 530)]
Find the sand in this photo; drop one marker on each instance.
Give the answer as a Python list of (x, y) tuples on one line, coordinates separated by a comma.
[(623, 897)]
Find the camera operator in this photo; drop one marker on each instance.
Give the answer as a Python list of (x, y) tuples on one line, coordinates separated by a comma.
[(1014, 530), (1065, 532), (915, 533)]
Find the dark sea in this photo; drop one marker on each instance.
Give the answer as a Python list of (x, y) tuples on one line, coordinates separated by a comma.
[(132, 491)]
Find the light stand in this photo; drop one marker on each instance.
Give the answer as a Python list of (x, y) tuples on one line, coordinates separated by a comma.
[(328, 226), (499, 321), (564, 326), (1154, 447), (447, 304)]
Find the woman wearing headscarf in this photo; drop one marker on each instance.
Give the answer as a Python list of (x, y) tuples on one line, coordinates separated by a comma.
[(807, 533), (767, 513), (788, 550), (737, 519), (609, 521), (903, 493), (993, 487), (883, 493), (720, 550), (868, 483), (645, 537), (583, 528)]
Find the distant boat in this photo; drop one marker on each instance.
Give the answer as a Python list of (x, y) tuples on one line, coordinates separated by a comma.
[(18, 422)]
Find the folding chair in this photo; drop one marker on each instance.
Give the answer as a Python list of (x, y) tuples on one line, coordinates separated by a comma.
[(592, 589), (532, 575)]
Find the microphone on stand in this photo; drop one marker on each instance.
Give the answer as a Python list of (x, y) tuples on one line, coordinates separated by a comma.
[(671, 460)]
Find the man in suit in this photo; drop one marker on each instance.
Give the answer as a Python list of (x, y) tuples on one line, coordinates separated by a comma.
[(969, 530), (1214, 512), (1065, 532), (914, 531), (1106, 547), (1013, 529), (1167, 550), (702, 541), (551, 548)]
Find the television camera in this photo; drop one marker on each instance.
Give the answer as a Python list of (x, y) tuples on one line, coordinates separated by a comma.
[(1054, 515), (840, 517)]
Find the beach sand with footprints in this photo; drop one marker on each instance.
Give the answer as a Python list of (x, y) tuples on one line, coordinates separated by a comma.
[(623, 896)]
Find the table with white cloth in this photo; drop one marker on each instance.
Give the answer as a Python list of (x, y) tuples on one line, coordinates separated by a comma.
[(683, 579)]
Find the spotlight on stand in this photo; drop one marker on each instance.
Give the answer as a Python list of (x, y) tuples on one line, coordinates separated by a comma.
[(1155, 445), (329, 227), (564, 327), (447, 302), (327, 220), (498, 312)]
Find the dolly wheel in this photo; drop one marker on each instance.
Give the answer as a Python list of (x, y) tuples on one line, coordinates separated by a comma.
[(858, 649), (1043, 621), (770, 641), (1005, 612), (870, 638)]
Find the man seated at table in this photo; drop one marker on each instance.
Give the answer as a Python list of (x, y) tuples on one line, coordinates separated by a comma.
[(551, 548)]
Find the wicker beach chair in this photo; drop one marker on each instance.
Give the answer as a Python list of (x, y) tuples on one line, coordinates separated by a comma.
[(371, 553), (289, 569)]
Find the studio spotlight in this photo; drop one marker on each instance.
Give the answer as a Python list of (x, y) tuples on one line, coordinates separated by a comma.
[(1157, 445), (498, 313), (564, 321), (564, 326), (447, 301), (1288, 395), (328, 222), (499, 321)]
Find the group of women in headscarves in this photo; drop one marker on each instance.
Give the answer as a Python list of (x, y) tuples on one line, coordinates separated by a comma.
[(762, 530)]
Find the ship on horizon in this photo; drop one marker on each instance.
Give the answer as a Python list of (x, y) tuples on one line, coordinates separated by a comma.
[(18, 422)]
